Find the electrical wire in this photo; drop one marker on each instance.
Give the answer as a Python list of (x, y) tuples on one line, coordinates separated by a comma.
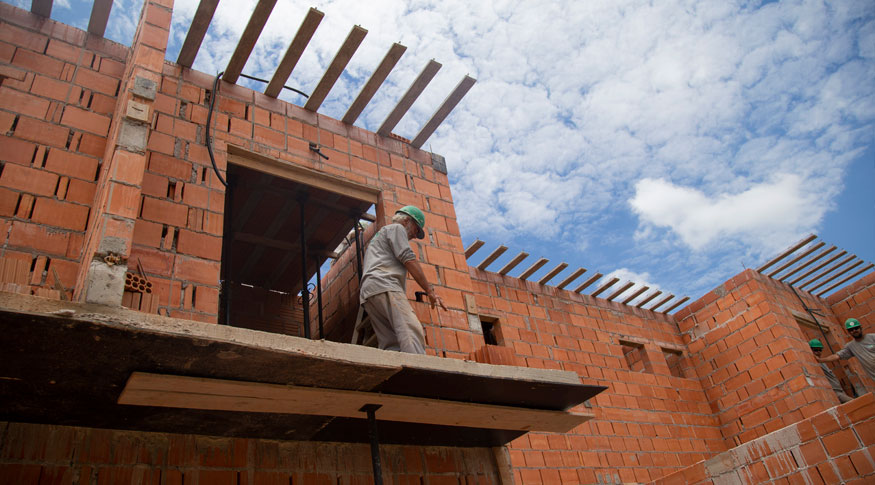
[(208, 138), (302, 93)]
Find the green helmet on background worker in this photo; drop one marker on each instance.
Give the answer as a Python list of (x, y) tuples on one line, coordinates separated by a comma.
[(417, 216), (851, 323), (815, 344)]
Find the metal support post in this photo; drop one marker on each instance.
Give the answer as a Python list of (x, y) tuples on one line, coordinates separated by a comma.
[(375, 441)]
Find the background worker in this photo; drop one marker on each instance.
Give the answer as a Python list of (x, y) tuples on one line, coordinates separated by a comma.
[(817, 349), (383, 291), (862, 347)]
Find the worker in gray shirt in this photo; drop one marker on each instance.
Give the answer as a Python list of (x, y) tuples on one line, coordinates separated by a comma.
[(862, 347), (383, 292), (817, 349)]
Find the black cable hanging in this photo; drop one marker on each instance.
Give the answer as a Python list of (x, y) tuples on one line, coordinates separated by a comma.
[(208, 138)]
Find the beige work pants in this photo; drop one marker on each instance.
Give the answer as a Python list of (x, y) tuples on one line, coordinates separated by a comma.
[(395, 323)]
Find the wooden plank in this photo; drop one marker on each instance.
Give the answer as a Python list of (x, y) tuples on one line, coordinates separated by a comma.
[(552, 273), (661, 302), (635, 294), (374, 82), (786, 252), (814, 288), (629, 284), (492, 257), (533, 268), (574, 276), (513, 263), (335, 69), (677, 304), (804, 265), (819, 266), (473, 248), (604, 287), (649, 297), (248, 39), (592, 279), (143, 389), (828, 270), (849, 278), (294, 52), (43, 8), (196, 32), (443, 111), (99, 17), (413, 92), (797, 258)]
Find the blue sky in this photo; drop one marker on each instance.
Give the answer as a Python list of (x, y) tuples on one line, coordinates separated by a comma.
[(670, 143)]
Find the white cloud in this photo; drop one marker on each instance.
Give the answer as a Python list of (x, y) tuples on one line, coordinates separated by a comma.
[(640, 280)]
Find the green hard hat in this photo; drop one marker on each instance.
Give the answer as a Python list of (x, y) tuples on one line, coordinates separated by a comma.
[(815, 344), (417, 216), (851, 323)]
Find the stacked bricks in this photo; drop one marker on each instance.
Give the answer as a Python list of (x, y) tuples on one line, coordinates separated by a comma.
[(835, 446), (647, 423), (856, 300), (33, 453), (55, 112)]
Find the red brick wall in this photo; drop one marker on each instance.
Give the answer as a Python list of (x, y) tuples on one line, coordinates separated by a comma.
[(834, 446), (856, 300), (33, 453)]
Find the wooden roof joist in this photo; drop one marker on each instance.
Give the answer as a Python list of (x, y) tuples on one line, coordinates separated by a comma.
[(849, 278), (535, 267), (43, 8), (443, 111), (513, 263), (661, 302), (335, 69), (592, 279), (294, 52), (413, 92), (819, 266), (629, 284), (676, 304), (492, 257), (572, 277), (247, 41), (635, 294), (473, 248), (812, 260), (604, 287), (840, 273), (796, 259), (196, 32), (553, 272), (827, 271), (374, 82), (99, 17), (649, 297), (788, 251)]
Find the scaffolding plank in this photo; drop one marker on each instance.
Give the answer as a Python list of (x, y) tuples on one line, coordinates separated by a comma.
[(796, 259), (144, 389), (43, 8), (629, 284), (413, 92), (293, 52), (335, 69), (788, 251), (374, 82), (513, 263), (196, 32), (635, 294), (661, 302), (574, 276), (804, 265), (473, 248), (99, 17), (248, 39), (849, 278), (592, 279), (649, 297), (553, 272), (533, 268), (676, 304), (492, 257), (443, 111)]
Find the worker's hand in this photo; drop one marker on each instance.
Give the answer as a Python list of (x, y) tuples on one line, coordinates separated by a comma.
[(433, 298)]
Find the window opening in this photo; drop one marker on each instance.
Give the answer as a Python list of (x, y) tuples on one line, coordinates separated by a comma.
[(674, 359), (635, 357)]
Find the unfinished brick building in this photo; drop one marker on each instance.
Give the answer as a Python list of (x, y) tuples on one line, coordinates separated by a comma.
[(155, 329)]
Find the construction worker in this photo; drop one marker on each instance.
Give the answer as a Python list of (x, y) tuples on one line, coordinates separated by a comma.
[(383, 294), (862, 347), (817, 348)]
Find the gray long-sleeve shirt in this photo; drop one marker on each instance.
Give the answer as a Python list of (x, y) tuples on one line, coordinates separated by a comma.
[(863, 350), (384, 268)]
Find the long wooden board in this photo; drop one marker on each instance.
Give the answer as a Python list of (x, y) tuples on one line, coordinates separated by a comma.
[(174, 391)]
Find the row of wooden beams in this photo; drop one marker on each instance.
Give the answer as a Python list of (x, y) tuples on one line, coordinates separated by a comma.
[(574, 276), (827, 271), (629, 284), (513, 263), (796, 259), (635, 294), (99, 17), (819, 266), (661, 302), (588, 282), (143, 389), (840, 273), (294, 52), (677, 304), (196, 32), (788, 251), (247, 41), (413, 92), (533, 268), (443, 111), (335, 69), (812, 260), (374, 82), (43, 8), (849, 278), (492, 257), (649, 297), (604, 287), (473, 248), (553, 272)]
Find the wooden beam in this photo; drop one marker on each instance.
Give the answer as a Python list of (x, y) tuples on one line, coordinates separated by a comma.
[(473, 248), (661, 302), (814, 288), (43, 8), (604, 287), (413, 92), (513, 263), (553, 272), (827, 271), (143, 389), (849, 278), (196, 32), (789, 250), (592, 279), (294, 52), (629, 284), (810, 261), (533, 268), (335, 69), (374, 82), (797, 258), (99, 17), (635, 294), (492, 257), (443, 111), (819, 266), (574, 276), (676, 304), (649, 297), (248, 39)]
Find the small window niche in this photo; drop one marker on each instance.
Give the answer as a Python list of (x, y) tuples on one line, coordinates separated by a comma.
[(635, 356), (491, 331), (674, 360)]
